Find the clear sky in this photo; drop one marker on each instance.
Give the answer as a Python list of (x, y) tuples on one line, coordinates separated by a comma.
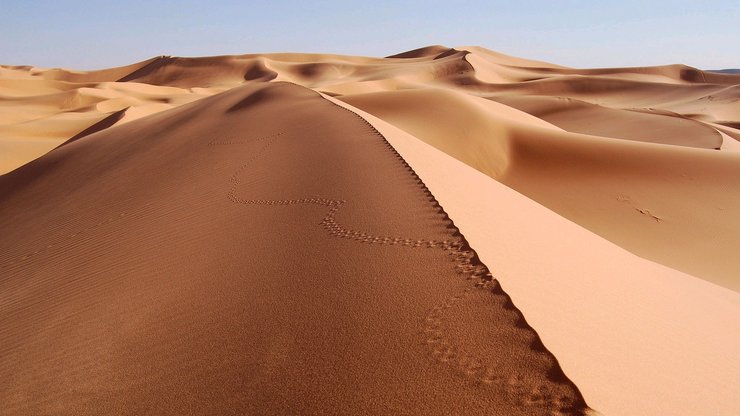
[(97, 34)]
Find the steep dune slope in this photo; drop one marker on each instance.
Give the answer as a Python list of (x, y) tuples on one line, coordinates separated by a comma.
[(251, 247), (621, 326), (259, 251), (670, 105), (667, 203), (471, 129)]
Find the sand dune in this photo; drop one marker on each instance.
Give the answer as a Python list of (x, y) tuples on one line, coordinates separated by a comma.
[(217, 287), (621, 326), (627, 124), (669, 204), (209, 235)]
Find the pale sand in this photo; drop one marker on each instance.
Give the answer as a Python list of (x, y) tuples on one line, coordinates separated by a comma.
[(646, 213), (637, 338), (262, 251), (627, 153), (671, 204)]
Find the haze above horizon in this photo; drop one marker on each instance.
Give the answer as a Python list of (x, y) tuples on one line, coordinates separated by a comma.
[(92, 35)]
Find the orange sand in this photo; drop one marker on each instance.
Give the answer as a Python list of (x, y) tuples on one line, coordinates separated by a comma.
[(265, 250)]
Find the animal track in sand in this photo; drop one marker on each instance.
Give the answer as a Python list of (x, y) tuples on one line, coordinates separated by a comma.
[(438, 328), (438, 331), (444, 347), (465, 258)]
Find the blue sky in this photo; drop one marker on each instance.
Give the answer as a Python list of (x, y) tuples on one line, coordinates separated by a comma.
[(97, 34)]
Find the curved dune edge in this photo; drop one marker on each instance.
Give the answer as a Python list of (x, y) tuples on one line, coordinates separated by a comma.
[(592, 303), (645, 197), (636, 337), (42, 107), (217, 287)]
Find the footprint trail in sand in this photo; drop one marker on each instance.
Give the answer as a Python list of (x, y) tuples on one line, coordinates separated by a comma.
[(288, 261)]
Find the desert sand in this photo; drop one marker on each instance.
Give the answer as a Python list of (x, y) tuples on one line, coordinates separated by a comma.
[(444, 231), (623, 326)]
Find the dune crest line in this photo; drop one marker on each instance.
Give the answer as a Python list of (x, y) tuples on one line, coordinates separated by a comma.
[(207, 304), (442, 347), (465, 257)]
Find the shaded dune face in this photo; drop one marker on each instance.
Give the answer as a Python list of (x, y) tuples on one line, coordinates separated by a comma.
[(41, 108), (257, 252), (636, 125), (664, 202), (262, 251)]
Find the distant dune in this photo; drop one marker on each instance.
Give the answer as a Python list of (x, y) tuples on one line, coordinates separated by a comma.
[(441, 231)]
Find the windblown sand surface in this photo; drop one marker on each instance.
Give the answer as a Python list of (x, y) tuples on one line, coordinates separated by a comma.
[(210, 238), (261, 251), (620, 326)]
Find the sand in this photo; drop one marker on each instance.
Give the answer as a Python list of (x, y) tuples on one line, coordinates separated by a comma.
[(280, 257), (621, 326), (646, 213), (210, 235)]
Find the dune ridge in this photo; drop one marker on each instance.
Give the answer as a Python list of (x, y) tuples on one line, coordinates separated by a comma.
[(208, 234), (265, 283), (621, 326)]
